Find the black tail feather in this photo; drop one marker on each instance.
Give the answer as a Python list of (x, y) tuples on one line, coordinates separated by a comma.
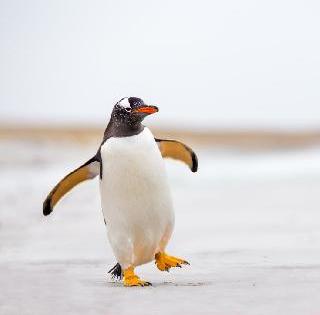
[(116, 272)]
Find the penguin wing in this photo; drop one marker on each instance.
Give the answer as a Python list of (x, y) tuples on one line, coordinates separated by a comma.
[(88, 170), (178, 151)]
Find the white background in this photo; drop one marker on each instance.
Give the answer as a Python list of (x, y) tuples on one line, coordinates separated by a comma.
[(206, 64)]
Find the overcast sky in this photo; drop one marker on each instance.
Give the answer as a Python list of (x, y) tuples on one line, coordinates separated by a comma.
[(204, 63)]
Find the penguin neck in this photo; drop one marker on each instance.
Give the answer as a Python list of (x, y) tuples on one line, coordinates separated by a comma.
[(120, 129)]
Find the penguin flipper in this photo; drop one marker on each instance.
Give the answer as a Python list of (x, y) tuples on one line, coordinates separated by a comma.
[(178, 151), (88, 170)]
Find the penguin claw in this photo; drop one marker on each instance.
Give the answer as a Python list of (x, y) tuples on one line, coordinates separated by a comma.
[(164, 262), (130, 279), (138, 283)]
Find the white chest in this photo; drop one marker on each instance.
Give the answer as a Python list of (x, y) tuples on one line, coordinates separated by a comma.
[(135, 196), (132, 162)]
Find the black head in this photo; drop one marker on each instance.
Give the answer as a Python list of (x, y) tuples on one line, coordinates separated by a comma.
[(127, 116), (131, 111)]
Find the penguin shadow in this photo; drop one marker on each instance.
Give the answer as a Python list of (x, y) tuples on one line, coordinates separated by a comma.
[(180, 284), (119, 284)]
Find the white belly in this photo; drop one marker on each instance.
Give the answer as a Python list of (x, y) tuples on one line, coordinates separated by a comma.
[(135, 196)]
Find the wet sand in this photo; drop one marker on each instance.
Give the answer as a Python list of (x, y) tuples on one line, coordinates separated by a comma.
[(248, 223)]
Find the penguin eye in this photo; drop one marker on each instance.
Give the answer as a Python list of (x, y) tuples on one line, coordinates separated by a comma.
[(127, 109)]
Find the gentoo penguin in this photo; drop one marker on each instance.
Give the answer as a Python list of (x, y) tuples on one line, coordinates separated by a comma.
[(135, 195)]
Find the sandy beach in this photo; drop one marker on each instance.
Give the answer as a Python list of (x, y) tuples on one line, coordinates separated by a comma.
[(248, 222)]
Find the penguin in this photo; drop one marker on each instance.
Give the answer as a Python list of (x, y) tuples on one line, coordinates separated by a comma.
[(135, 194)]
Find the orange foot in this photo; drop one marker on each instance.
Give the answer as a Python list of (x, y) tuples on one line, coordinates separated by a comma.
[(132, 280), (164, 262)]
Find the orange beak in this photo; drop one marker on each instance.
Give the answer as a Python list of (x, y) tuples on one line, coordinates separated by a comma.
[(146, 109)]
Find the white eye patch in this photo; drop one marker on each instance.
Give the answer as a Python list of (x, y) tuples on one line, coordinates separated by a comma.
[(124, 102)]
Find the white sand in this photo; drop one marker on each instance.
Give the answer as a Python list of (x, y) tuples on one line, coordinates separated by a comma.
[(248, 223)]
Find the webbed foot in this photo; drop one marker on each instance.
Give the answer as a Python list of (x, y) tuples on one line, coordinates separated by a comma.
[(130, 279), (164, 262)]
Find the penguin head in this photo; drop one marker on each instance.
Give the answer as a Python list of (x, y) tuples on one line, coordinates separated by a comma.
[(131, 111)]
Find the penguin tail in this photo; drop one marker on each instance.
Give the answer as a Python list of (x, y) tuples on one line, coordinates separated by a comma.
[(116, 272)]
